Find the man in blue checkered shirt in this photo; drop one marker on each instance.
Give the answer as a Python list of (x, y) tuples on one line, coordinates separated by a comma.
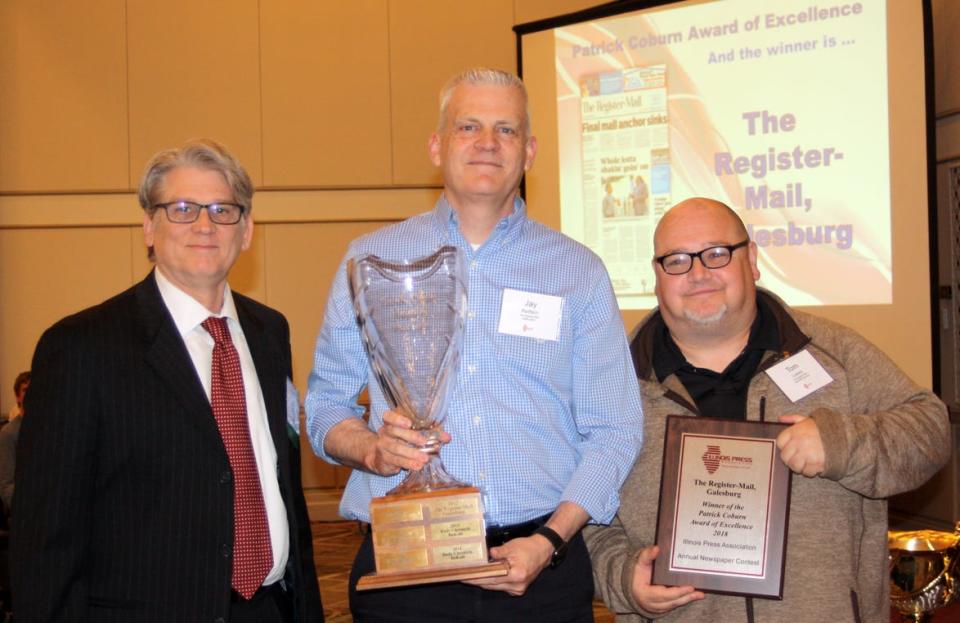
[(547, 426)]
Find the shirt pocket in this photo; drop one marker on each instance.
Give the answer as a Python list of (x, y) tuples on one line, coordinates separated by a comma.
[(531, 361)]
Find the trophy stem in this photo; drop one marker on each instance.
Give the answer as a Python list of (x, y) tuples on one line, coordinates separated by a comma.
[(432, 477)]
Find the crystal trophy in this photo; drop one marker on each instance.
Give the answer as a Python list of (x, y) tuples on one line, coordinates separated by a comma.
[(429, 528)]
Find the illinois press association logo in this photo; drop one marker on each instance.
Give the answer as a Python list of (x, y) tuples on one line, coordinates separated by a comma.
[(713, 458)]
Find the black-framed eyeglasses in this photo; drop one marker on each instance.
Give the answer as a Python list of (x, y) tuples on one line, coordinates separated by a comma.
[(711, 257), (188, 212)]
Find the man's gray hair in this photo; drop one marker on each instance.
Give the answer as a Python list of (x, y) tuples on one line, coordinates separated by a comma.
[(204, 154), (483, 76)]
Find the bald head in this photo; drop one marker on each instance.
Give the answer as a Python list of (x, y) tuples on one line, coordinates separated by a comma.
[(695, 209), (706, 304)]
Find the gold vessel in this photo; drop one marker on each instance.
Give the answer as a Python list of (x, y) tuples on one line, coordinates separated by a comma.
[(922, 571)]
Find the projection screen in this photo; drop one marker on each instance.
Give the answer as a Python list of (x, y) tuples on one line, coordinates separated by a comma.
[(808, 118)]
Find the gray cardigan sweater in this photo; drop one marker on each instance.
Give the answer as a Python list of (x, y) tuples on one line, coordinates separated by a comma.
[(882, 435)]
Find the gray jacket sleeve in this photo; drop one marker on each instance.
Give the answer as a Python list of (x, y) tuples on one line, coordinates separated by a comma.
[(898, 435), (613, 561)]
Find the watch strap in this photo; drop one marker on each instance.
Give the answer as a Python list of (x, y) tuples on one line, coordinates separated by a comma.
[(551, 535), (559, 545)]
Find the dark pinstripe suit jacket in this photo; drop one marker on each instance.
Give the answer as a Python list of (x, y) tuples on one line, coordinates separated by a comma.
[(123, 507)]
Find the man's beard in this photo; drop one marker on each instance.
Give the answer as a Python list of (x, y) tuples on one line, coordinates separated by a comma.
[(708, 320)]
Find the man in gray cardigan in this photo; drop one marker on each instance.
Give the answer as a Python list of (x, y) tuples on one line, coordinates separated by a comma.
[(867, 434)]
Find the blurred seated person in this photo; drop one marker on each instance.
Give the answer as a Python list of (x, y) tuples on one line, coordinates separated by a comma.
[(8, 442)]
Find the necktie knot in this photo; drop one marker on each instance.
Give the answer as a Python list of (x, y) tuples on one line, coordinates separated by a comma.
[(217, 328)]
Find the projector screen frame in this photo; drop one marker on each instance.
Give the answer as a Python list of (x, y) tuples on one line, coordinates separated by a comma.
[(931, 376)]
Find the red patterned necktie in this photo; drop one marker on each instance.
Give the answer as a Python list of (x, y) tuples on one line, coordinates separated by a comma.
[(252, 553)]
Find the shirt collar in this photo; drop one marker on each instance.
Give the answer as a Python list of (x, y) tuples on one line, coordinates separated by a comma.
[(448, 222), (186, 311), (668, 358)]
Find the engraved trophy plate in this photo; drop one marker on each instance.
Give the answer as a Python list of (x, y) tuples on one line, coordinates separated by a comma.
[(922, 571), (430, 527)]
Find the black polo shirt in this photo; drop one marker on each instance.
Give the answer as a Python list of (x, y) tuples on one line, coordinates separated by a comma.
[(718, 394)]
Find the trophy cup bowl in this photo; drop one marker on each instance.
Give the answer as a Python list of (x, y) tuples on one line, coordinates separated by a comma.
[(922, 571), (411, 318), (430, 527)]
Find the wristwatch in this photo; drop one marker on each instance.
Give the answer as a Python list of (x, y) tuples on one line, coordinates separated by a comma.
[(559, 545)]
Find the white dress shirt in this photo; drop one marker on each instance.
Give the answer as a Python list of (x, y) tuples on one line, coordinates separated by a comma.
[(188, 314)]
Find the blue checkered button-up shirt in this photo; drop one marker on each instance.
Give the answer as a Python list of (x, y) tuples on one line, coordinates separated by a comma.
[(534, 422)]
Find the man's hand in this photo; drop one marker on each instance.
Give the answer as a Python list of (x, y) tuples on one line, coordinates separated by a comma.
[(385, 452), (527, 557), (396, 446), (654, 598), (801, 448)]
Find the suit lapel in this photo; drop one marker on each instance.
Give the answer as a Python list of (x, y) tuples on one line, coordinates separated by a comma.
[(270, 371), (167, 355), (266, 350)]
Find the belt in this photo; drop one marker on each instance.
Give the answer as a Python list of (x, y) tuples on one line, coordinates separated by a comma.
[(498, 535)]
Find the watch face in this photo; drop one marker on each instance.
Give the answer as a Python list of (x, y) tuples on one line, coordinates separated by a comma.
[(558, 556)]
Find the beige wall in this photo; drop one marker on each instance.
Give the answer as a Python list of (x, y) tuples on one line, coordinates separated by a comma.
[(328, 104)]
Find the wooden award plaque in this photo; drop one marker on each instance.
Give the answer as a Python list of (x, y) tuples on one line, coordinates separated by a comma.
[(422, 538), (724, 507)]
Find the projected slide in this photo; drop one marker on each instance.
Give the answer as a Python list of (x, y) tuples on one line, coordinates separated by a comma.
[(778, 109)]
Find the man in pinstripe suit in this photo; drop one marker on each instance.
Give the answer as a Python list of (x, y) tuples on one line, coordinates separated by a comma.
[(124, 488)]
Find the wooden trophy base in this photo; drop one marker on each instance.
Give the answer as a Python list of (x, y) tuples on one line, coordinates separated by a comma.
[(424, 538), (373, 581)]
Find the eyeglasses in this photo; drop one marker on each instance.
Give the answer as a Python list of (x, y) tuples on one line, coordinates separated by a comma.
[(188, 212), (712, 257)]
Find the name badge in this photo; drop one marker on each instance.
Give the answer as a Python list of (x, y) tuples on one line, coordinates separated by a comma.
[(530, 315), (799, 375)]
